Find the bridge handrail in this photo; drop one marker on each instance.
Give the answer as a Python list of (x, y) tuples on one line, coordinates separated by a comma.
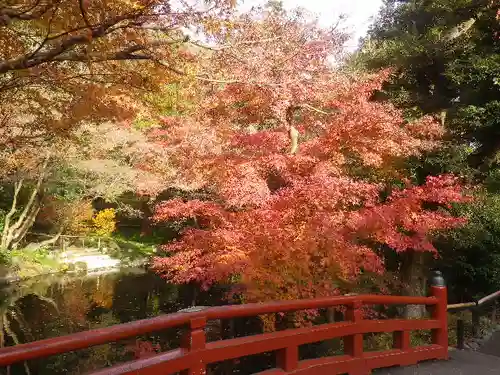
[(475, 304), (105, 335), (474, 307), (195, 351)]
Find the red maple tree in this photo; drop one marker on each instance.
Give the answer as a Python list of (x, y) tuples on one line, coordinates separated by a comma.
[(296, 156)]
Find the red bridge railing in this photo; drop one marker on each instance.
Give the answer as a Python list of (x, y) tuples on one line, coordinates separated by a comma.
[(196, 353)]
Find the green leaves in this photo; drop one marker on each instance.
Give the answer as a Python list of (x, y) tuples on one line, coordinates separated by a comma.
[(445, 55), (447, 58)]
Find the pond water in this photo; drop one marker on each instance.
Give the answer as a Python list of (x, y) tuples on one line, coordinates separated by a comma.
[(53, 306), (58, 305)]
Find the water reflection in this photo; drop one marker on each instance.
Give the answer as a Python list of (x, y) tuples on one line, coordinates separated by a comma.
[(53, 306), (58, 305)]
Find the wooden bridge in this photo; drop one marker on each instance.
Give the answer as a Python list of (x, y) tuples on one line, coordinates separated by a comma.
[(195, 353)]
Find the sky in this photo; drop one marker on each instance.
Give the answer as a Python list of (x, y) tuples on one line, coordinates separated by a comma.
[(359, 13)]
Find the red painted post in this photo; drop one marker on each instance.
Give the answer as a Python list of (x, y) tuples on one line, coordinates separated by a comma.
[(439, 312), (288, 358), (401, 340), (353, 345), (194, 339)]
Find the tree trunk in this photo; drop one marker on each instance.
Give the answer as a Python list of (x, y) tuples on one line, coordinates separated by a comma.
[(14, 233), (412, 273), (5, 242), (47, 242), (21, 232), (460, 30)]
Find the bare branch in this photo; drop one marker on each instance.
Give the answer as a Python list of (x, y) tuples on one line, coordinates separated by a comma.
[(6, 229), (314, 109), (28, 61), (8, 14), (84, 13), (47, 36), (228, 46), (126, 54), (34, 194), (51, 240)]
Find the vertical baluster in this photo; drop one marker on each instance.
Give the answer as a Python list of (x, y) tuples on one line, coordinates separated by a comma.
[(401, 340), (494, 313), (439, 312), (353, 345), (330, 315), (227, 328), (193, 340), (288, 358)]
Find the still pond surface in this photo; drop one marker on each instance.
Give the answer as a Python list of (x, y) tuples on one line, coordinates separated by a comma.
[(53, 306)]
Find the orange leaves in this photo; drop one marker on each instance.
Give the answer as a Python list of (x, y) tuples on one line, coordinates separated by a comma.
[(292, 226), (404, 223), (68, 62), (210, 213)]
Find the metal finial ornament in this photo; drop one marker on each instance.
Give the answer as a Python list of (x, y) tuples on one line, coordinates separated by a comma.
[(438, 279)]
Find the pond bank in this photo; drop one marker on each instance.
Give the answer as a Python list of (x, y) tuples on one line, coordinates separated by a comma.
[(27, 264), (55, 305)]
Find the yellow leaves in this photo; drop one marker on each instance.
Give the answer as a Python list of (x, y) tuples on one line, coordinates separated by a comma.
[(180, 268), (215, 26), (268, 322), (104, 222), (135, 5), (131, 4)]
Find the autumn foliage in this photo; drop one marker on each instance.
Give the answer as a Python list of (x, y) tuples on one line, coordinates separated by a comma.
[(301, 165), (64, 63)]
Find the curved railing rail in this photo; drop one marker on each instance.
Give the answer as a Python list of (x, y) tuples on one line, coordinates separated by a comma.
[(476, 307), (491, 298), (196, 353)]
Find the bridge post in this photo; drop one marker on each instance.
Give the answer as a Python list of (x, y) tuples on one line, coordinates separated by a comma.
[(287, 359), (353, 345), (439, 312), (194, 339)]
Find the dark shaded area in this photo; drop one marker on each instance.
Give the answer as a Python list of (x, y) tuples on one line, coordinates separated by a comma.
[(56, 306)]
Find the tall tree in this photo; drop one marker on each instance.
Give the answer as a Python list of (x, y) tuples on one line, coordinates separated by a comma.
[(299, 161), (73, 63), (446, 60), (68, 61)]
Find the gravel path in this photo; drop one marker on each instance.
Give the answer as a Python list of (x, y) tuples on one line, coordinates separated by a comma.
[(460, 363), (492, 346)]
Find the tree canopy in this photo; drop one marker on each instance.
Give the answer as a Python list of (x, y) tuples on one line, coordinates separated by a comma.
[(68, 62), (302, 168), (293, 177), (446, 59)]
